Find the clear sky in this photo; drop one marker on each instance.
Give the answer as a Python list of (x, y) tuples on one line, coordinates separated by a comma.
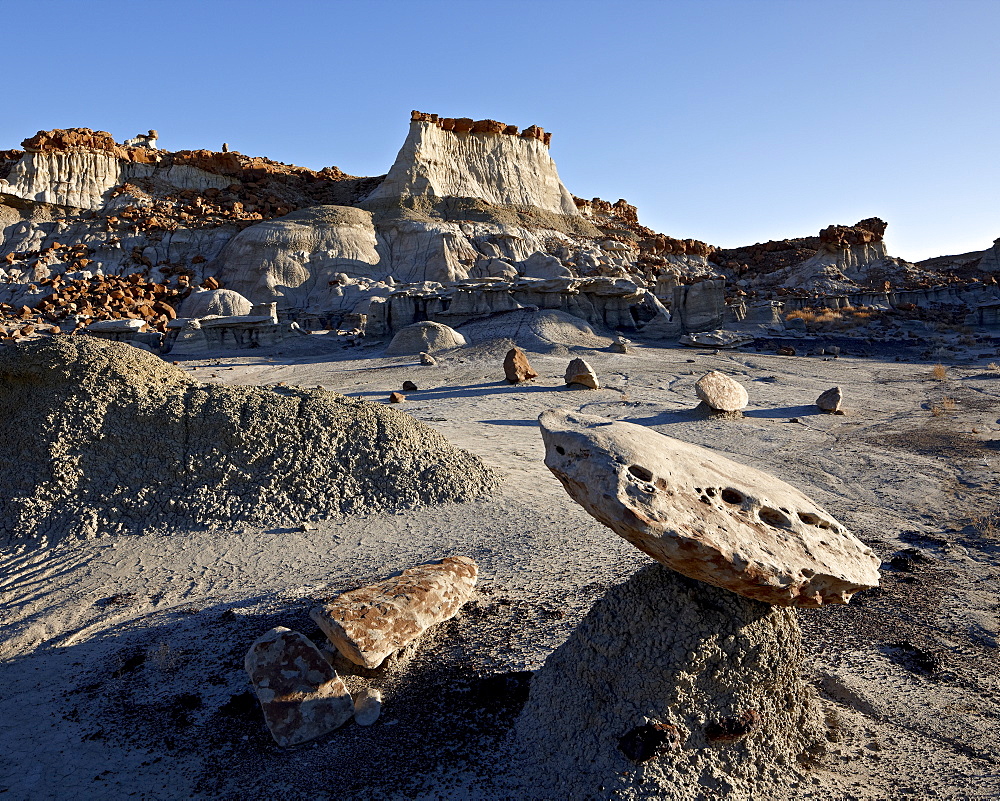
[(729, 122)]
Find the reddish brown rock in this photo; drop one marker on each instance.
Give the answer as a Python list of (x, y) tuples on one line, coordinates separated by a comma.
[(488, 126), (368, 624), (463, 124), (517, 368), (705, 516), (301, 695), (396, 397)]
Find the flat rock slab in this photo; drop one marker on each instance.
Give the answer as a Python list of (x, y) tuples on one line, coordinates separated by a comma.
[(368, 624), (300, 693), (704, 515), (721, 392)]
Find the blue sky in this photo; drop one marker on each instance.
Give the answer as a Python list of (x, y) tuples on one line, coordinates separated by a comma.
[(730, 122)]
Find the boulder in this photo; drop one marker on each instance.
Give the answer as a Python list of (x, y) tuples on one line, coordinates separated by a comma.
[(516, 367), (367, 707), (705, 516), (216, 302), (301, 695), (409, 386), (368, 624), (396, 397), (670, 689), (830, 400), (580, 373), (721, 392), (427, 360), (425, 337)]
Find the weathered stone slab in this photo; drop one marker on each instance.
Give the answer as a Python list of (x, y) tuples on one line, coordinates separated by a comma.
[(704, 515), (370, 623), (517, 368), (300, 693), (579, 372), (719, 338), (721, 392)]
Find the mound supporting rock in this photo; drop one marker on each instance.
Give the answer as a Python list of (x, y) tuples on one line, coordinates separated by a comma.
[(669, 689), (704, 515), (102, 437)]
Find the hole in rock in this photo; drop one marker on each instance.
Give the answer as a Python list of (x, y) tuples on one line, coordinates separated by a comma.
[(729, 730), (643, 742), (774, 518), (560, 450), (732, 496), (641, 473), (710, 492)]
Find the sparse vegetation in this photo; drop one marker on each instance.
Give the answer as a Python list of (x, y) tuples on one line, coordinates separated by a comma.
[(940, 372), (946, 406), (988, 525), (842, 319)]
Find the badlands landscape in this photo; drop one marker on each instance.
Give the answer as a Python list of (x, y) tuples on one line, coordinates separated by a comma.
[(448, 483)]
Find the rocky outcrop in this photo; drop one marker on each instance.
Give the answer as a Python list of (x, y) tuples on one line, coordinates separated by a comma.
[(714, 520), (369, 624), (296, 260), (463, 159), (301, 695), (670, 689), (425, 337)]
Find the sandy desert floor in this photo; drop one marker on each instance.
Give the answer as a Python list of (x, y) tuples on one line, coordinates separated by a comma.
[(121, 659)]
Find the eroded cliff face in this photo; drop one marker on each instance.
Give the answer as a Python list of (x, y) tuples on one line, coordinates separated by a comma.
[(485, 160)]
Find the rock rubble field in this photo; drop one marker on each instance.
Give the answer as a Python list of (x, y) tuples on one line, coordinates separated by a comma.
[(449, 484)]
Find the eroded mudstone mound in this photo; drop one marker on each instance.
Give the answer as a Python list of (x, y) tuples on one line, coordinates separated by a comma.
[(516, 367), (669, 689), (300, 693), (721, 392), (581, 373), (425, 337), (103, 438), (705, 516), (370, 623)]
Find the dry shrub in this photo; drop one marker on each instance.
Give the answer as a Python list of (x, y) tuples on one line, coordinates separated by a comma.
[(940, 372), (988, 525), (944, 407), (842, 319)]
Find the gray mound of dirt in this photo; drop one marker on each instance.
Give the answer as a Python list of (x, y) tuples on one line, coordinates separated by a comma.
[(670, 689), (104, 438), (535, 330)]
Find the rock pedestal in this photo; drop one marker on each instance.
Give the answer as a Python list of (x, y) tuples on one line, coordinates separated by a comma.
[(670, 689)]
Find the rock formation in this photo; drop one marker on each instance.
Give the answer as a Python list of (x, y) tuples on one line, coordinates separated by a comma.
[(425, 337), (705, 516), (123, 442), (517, 368), (579, 373), (670, 689), (301, 695), (368, 624), (721, 393)]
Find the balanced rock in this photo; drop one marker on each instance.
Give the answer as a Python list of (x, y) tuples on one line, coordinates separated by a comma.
[(721, 392), (620, 345), (579, 372), (830, 400), (368, 624), (300, 693), (367, 707), (704, 515), (516, 367), (670, 689)]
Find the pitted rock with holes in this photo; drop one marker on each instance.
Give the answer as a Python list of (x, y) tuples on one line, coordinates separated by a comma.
[(368, 624), (300, 693), (721, 392), (704, 515)]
